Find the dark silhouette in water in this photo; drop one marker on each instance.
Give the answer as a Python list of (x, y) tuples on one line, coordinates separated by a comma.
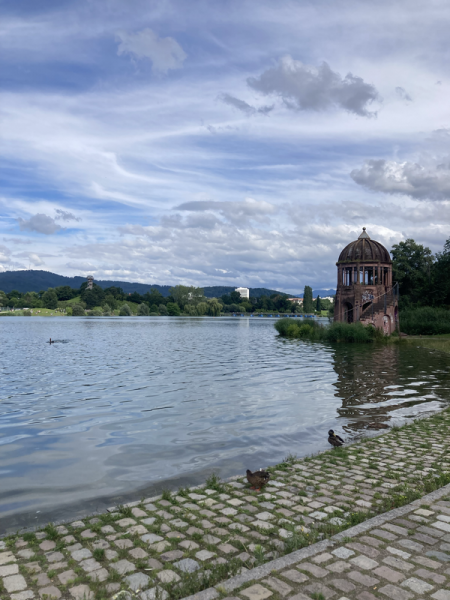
[(50, 342)]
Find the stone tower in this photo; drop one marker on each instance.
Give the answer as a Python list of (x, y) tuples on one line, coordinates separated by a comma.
[(364, 286)]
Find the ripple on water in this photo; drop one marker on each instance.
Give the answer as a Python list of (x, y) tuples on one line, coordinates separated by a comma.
[(121, 403)]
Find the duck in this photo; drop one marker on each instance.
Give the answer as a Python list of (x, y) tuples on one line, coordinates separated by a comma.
[(257, 479), (334, 439)]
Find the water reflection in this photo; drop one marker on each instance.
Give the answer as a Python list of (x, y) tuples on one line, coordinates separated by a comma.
[(385, 384)]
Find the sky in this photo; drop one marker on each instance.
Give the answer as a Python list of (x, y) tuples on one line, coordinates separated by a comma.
[(228, 142)]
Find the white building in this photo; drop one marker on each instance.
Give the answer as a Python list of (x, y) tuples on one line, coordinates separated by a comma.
[(244, 292), (296, 300)]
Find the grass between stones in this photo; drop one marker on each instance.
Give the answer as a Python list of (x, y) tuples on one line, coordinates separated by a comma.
[(224, 527)]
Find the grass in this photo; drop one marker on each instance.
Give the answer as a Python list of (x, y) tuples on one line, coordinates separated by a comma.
[(215, 483), (310, 329), (438, 342)]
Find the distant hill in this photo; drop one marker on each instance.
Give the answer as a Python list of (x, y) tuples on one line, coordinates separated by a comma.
[(35, 281)]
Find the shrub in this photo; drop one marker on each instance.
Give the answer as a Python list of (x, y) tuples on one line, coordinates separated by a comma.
[(163, 310), (336, 332), (143, 310), (78, 310), (27, 313), (125, 310), (97, 312), (154, 309), (425, 321), (69, 311)]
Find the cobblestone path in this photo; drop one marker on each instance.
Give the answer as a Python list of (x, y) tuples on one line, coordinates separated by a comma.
[(175, 545)]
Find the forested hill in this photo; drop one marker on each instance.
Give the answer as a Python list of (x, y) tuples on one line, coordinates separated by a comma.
[(36, 281)]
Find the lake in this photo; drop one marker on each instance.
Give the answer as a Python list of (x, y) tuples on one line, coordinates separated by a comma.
[(120, 408)]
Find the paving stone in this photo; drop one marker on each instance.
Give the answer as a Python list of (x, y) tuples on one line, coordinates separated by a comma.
[(319, 588), (168, 576), (54, 557), (51, 592), (137, 581), (81, 592), (435, 577), (123, 566), (256, 592), (398, 563), (278, 586), (389, 574), (124, 544), (441, 595), (188, 545), (88, 534), (89, 565), (25, 595), (14, 583), (67, 576), (25, 553), (156, 593), (364, 562), (80, 555), (172, 555), (138, 553), (33, 567), (154, 564), (187, 565), (442, 556), (395, 593), (411, 545), (342, 585), (160, 546), (339, 566), (100, 575), (10, 569), (313, 569), (47, 545), (204, 555), (151, 538), (362, 579), (417, 585), (367, 550), (42, 580)]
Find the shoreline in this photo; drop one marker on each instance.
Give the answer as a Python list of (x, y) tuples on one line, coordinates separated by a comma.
[(223, 526)]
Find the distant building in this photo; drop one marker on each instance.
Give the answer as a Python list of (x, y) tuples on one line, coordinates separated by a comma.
[(296, 300), (244, 292), (90, 282)]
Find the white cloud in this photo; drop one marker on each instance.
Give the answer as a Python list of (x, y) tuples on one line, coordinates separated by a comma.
[(40, 223), (407, 178), (165, 53), (304, 87)]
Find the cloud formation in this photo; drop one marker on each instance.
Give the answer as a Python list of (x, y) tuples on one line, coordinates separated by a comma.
[(402, 93), (304, 87), (40, 223), (407, 178), (235, 212), (63, 215), (244, 106), (165, 53)]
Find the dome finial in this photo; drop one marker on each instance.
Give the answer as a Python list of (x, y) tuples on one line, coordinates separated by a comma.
[(364, 235)]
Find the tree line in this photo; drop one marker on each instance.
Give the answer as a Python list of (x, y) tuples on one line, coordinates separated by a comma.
[(187, 300)]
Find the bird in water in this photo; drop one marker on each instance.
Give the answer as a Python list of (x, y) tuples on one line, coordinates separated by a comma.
[(257, 479), (51, 341), (334, 439)]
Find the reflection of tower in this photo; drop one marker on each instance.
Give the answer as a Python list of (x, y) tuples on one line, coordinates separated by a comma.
[(367, 380), (90, 282), (364, 287)]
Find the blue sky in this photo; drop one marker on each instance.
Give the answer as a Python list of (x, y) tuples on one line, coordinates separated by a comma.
[(229, 142)]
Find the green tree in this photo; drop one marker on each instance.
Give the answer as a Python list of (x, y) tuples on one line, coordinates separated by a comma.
[(106, 310), (318, 303), (78, 310), (173, 309), (163, 310), (143, 310), (308, 305), (110, 301), (214, 307), (94, 297), (154, 308), (125, 310), (65, 292), (183, 294), (202, 308), (441, 277), (97, 312), (412, 265), (14, 294), (50, 299), (235, 297)]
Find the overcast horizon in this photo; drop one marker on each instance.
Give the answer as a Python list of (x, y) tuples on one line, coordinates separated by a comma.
[(220, 143)]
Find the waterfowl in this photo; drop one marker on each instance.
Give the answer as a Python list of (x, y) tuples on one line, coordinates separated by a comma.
[(258, 478), (51, 342), (334, 439)]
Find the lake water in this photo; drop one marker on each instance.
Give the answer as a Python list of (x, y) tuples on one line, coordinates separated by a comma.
[(123, 407)]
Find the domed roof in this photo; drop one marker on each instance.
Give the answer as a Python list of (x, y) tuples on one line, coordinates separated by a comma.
[(364, 249)]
